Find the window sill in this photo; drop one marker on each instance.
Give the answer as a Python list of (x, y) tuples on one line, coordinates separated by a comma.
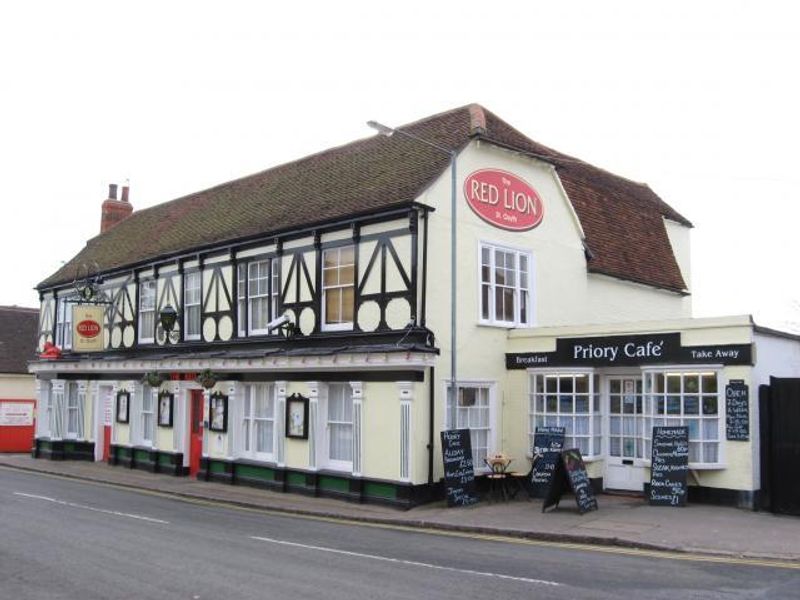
[(503, 325)]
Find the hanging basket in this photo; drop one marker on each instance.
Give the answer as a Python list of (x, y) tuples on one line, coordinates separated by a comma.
[(207, 379), (154, 379)]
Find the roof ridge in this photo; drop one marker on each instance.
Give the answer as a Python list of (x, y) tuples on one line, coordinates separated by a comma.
[(14, 307)]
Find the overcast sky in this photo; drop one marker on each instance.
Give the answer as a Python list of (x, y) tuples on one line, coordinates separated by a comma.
[(698, 99)]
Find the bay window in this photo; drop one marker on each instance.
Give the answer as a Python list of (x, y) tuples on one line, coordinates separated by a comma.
[(688, 398), (505, 279), (571, 401)]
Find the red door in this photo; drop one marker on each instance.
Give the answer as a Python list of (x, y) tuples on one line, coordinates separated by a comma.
[(195, 432)]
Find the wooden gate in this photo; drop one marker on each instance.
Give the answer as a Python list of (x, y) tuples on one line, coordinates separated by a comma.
[(779, 407)]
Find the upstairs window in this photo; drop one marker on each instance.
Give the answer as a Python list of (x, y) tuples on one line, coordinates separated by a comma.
[(147, 311), (338, 288), (192, 296), (64, 323), (505, 286), (258, 294)]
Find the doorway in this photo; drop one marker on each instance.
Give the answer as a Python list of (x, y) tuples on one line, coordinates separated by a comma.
[(625, 457), (195, 431)]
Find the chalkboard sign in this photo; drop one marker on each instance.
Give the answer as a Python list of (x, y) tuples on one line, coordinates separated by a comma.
[(737, 411), (547, 443), (670, 466), (570, 475), (459, 474)]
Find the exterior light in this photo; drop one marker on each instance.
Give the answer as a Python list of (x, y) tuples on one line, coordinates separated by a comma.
[(167, 317)]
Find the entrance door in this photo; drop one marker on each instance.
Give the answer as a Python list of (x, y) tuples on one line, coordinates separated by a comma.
[(780, 444), (195, 431), (624, 470)]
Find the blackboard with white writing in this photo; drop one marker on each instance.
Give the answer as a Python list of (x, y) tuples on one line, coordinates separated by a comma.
[(578, 480), (737, 411), (459, 473), (547, 444), (570, 476), (670, 466)]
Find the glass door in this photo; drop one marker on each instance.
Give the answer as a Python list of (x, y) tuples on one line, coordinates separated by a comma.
[(625, 445)]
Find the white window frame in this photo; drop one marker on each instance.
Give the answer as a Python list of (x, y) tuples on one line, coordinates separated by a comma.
[(147, 284), (559, 418), (343, 325), (248, 421), (651, 418), (517, 289), (70, 394), (63, 337), (491, 386), (331, 463), (245, 295), (198, 288), (147, 435)]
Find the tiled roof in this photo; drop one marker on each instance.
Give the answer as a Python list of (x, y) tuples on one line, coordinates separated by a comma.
[(18, 331), (622, 219)]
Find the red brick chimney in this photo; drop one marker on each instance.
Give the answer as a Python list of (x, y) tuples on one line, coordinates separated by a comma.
[(114, 210)]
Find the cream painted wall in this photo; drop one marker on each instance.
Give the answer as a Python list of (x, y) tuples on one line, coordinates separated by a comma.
[(610, 300), (17, 386), (381, 430)]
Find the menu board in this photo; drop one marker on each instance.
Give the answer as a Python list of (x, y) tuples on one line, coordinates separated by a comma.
[(578, 480), (570, 476), (737, 411), (670, 466), (459, 474), (547, 443)]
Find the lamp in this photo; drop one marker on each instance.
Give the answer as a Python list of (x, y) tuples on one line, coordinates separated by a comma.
[(388, 132), (167, 317)]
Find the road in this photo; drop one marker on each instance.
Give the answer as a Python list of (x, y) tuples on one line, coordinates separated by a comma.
[(68, 539)]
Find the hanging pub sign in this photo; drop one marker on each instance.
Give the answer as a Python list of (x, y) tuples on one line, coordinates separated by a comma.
[(504, 200), (630, 350), (87, 328)]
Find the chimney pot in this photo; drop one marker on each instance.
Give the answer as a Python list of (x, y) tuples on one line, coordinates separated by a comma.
[(112, 191), (125, 189)]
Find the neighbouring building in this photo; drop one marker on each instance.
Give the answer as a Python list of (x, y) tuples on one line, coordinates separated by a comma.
[(291, 329), (18, 332)]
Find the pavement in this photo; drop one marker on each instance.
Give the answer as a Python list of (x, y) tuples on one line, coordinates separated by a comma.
[(621, 520)]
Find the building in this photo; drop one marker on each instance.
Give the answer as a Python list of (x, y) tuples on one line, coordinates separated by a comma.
[(18, 329), (310, 350)]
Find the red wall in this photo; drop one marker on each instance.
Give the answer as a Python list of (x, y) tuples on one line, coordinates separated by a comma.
[(16, 438)]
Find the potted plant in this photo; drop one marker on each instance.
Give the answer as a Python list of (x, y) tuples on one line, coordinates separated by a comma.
[(154, 379), (207, 379)]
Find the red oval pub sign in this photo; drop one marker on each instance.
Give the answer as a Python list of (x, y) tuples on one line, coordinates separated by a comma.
[(503, 199), (88, 328)]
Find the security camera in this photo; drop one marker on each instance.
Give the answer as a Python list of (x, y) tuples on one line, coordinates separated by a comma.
[(278, 322)]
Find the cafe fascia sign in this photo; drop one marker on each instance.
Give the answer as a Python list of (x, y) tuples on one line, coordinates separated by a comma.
[(504, 200), (630, 350), (87, 328)]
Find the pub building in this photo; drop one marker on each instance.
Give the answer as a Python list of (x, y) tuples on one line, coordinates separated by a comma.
[(291, 329)]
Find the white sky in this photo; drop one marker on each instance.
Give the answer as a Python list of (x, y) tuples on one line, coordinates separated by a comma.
[(698, 99)]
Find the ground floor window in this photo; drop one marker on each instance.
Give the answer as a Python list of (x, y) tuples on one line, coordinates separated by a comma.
[(339, 422), (571, 401), (258, 421), (147, 415), (473, 412), (689, 398), (74, 417)]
